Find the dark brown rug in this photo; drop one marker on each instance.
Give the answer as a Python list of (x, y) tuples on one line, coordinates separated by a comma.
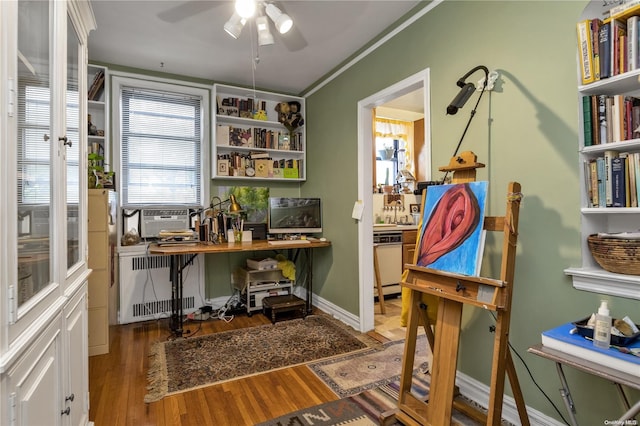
[(185, 364)]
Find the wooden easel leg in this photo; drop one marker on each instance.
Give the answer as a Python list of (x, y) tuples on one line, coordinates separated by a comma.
[(376, 270), (517, 392), (445, 362)]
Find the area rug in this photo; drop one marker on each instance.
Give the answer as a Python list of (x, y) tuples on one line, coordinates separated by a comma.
[(370, 407), (356, 372), (185, 364)]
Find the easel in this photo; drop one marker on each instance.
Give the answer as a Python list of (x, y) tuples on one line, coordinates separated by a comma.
[(453, 291)]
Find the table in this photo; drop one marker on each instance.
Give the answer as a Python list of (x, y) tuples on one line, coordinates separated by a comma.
[(183, 254), (593, 368)]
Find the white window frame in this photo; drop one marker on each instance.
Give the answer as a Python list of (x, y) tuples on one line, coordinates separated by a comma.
[(120, 80)]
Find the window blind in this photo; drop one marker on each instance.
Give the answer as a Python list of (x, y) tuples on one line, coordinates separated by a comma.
[(160, 147)]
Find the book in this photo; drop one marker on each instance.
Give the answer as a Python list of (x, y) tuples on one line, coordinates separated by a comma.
[(601, 173), (618, 29), (561, 339), (618, 182), (631, 174), (609, 155), (602, 118), (605, 50), (97, 86), (587, 124), (632, 43), (625, 8), (593, 166), (595, 42), (585, 48)]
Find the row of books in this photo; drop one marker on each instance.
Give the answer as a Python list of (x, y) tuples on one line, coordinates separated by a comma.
[(258, 138), (609, 119), (609, 47), (97, 87), (240, 107), (613, 179), (243, 164)]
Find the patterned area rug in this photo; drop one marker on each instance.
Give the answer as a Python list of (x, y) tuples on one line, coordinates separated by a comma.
[(184, 364), (370, 407), (351, 374)]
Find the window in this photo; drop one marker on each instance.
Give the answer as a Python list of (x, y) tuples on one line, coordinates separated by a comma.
[(394, 146), (161, 145)]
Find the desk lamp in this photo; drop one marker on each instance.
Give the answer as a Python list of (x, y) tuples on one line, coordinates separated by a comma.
[(219, 227)]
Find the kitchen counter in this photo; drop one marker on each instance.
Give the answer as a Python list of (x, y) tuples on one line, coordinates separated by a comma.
[(393, 227)]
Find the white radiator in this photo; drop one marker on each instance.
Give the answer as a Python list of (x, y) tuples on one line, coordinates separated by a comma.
[(145, 287)]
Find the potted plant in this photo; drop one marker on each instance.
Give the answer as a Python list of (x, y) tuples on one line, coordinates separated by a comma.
[(95, 170)]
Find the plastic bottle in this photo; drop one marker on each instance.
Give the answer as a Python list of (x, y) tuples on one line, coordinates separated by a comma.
[(602, 330)]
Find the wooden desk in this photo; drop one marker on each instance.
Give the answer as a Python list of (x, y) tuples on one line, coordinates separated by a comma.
[(595, 369), (183, 254)]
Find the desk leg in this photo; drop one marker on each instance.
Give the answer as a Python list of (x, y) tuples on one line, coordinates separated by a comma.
[(566, 396), (176, 295), (309, 255), (631, 413)]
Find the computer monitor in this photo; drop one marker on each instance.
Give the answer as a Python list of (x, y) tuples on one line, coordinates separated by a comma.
[(291, 215)]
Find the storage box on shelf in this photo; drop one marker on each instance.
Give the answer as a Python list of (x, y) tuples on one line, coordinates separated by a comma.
[(250, 142), (98, 110), (255, 285), (604, 134)]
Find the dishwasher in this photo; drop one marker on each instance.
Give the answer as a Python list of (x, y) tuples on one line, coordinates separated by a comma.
[(388, 251)]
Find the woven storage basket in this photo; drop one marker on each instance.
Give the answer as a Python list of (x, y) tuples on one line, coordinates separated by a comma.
[(615, 254)]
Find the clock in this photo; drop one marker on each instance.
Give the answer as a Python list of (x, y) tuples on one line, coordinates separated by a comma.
[(250, 171)]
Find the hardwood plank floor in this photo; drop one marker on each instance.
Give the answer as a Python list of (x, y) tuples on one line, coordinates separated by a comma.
[(118, 380)]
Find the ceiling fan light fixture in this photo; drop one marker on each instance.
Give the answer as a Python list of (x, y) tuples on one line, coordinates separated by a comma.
[(282, 21), (234, 25), (246, 8), (264, 35)]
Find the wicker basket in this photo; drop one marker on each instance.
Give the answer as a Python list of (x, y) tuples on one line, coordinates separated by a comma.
[(615, 254)]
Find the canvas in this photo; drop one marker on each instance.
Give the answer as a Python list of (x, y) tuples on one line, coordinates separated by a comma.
[(451, 237)]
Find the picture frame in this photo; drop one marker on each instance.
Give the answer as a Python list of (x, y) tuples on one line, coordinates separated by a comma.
[(414, 208), (223, 167)]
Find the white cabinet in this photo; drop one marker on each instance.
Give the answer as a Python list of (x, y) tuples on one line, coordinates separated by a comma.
[(43, 253), (590, 276), (249, 140)]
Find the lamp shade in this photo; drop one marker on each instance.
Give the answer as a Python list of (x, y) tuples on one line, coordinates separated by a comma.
[(246, 8), (282, 21), (234, 25), (264, 35), (234, 206)]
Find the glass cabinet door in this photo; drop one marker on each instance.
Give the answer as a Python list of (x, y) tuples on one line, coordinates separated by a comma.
[(72, 144), (34, 149)]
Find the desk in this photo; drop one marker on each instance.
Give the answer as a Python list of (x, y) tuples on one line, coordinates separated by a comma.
[(183, 254), (590, 367)]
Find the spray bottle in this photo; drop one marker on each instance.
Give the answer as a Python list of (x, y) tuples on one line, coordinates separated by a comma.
[(602, 330)]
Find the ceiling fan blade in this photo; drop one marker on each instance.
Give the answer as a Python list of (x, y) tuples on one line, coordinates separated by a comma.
[(185, 10)]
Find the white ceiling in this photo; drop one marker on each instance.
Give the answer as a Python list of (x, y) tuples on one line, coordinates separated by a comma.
[(187, 38)]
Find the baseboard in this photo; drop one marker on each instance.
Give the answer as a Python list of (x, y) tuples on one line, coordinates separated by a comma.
[(471, 388)]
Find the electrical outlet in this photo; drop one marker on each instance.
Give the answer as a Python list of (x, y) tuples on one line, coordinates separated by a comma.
[(493, 77)]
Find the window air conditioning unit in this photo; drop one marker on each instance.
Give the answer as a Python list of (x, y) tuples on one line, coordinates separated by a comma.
[(169, 218)]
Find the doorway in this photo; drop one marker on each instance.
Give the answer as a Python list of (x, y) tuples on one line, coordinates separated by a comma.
[(384, 98)]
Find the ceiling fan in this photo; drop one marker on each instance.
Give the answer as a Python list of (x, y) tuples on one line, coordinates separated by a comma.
[(255, 11)]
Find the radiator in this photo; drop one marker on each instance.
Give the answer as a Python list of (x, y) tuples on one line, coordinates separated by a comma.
[(145, 287)]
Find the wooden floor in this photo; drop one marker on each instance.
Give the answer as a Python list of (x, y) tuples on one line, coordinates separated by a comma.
[(118, 380)]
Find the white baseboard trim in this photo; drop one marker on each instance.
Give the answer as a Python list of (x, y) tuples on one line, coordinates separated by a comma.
[(471, 388)]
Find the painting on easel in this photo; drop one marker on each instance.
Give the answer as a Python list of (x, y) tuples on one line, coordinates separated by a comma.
[(451, 237)]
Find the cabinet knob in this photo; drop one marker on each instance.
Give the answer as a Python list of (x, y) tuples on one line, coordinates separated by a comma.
[(66, 411), (66, 141), (70, 398)]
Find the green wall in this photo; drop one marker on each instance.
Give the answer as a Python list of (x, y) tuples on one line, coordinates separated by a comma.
[(526, 130)]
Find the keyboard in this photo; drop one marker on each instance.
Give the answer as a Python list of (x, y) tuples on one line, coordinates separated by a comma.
[(288, 242)]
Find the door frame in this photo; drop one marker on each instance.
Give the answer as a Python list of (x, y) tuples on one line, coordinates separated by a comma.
[(419, 80)]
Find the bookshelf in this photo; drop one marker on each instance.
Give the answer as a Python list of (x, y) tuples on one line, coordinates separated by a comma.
[(595, 216), (249, 147), (98, 109)]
